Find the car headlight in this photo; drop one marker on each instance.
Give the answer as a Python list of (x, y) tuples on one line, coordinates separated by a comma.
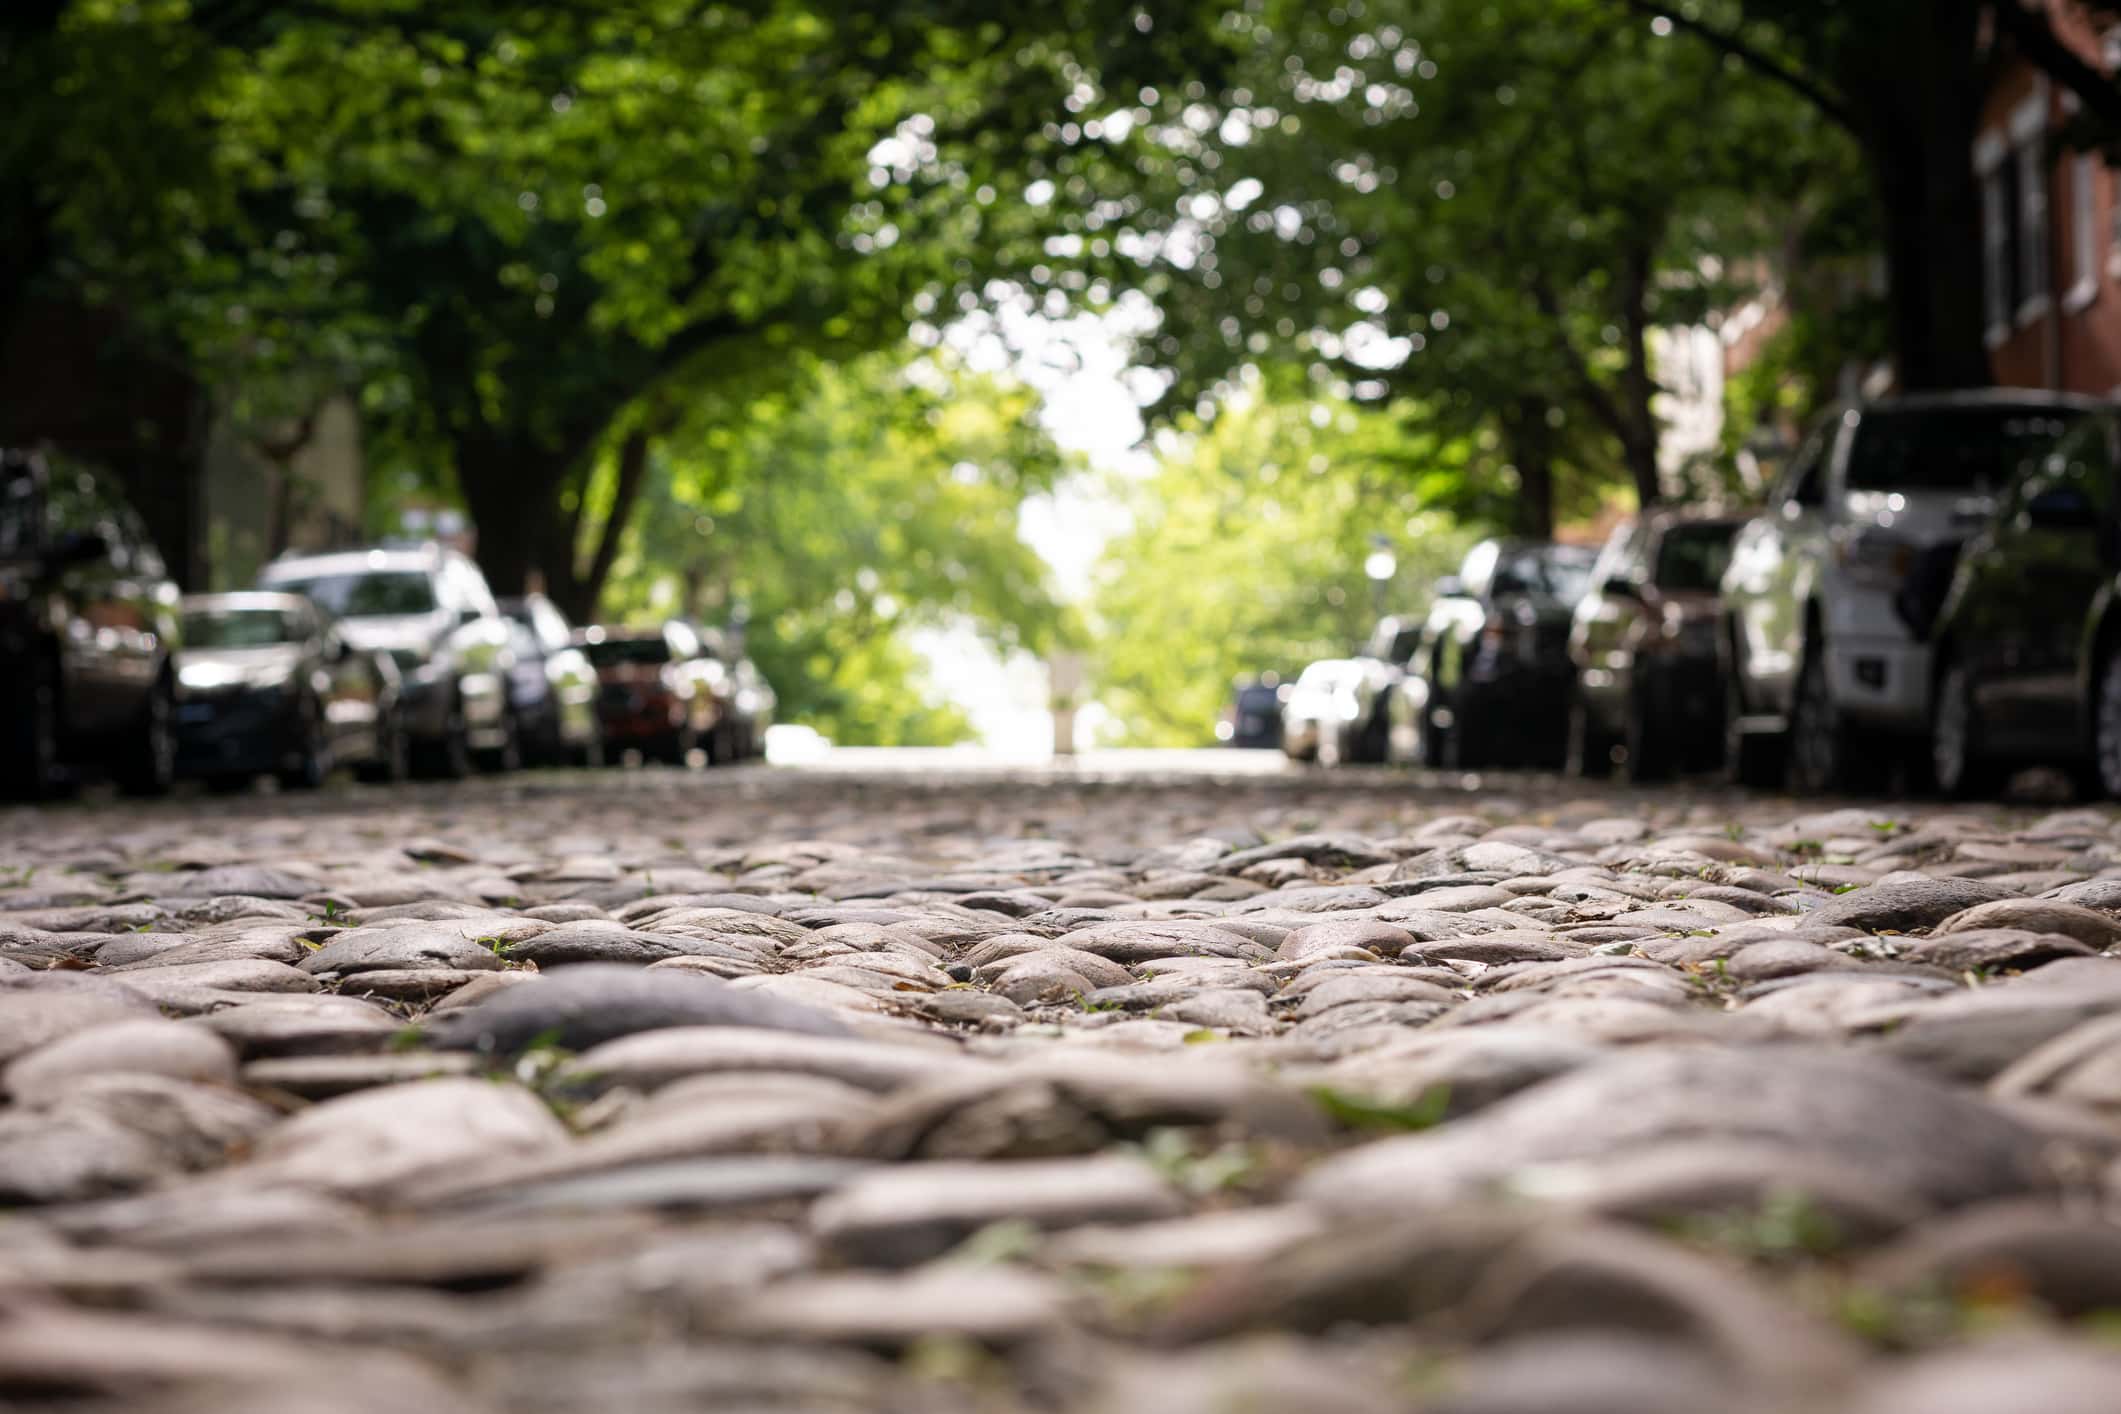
[(1874, 558)]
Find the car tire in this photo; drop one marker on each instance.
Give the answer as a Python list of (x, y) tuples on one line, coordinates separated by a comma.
[(29, 733), (314, 765), (1818, 755), (1589, 754), (1956, 766), (1750, 759), (392, 761), (2106, 724), (148, 763), (1648, 746), (677, 747), (450, 758), (508, 756)]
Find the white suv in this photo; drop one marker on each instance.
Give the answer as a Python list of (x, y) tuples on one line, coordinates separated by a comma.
[(1829, 589)]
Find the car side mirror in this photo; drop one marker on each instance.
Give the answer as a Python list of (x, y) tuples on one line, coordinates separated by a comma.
[(336, 651), (1618, 587), (468, 616), (2061, 508)]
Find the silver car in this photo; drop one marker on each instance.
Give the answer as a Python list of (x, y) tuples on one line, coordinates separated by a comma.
[(1824, 664), (428, 607)]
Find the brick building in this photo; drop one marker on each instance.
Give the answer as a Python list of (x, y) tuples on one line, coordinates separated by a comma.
[(2051, 229)]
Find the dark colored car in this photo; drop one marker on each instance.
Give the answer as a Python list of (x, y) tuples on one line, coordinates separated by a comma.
[(1253, 718), (265, 682), (658, 691), (1392, 645), (2027, 648), (1644, 644), (553, 685), (88, 627), (429, 608), (744, 700), (1497, 655)]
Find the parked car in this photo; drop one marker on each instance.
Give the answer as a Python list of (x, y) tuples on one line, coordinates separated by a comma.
[(88, 627), (1495, 655), (2027, 649), (744, 700), (552, 685), (1823, 668), (658, 691), (429, 608), (1384, 657), (1253, 718), (1643, 643), (265, 682), (1318, 711)]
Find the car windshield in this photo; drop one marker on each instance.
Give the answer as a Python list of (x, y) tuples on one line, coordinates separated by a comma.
[(1951, 449), (1559, 571), (1692, 557), (238, 628), (614, 651), (1257, 699), (369, 595)]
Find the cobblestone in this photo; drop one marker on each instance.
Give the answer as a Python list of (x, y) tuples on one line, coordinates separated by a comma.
[(1022, 1090)]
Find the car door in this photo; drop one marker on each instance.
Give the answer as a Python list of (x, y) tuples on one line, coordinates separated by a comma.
[(2041, 563), (573, 682), (1601, 642), (98, 607), (1773, 568), (353, 691)]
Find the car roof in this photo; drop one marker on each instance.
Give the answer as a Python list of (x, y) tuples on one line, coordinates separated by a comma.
[(1980, 398), (355, 561), (246, 599)]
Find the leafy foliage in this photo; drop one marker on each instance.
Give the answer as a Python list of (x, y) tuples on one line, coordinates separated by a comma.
[(866, 502), (1246, 555)]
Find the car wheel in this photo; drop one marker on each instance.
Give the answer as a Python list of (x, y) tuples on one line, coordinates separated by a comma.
[(29, 764), (1752, 759), (1955, 762), (508, 756), (1648, 747), (1589, 754), (450, 758), (2106, 726), (393, 753), (149, 764), (677, 747), (314, 765), (1818, 745)]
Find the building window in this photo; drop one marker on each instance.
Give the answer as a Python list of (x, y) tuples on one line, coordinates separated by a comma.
[(2033, 275), (2084, 232), (1999, 238)]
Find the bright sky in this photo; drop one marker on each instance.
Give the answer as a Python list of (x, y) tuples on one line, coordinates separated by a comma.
[(1079, 366)]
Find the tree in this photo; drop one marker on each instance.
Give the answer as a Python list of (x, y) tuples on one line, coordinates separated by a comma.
[(1907, 80), (1477, 212), (837, 516), (1247, 550), (574, 219)]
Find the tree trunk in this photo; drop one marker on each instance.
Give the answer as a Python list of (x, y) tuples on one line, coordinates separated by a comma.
[(626, 494), (513, 496), (1920, 97), (1530, 439), (1639, 434)]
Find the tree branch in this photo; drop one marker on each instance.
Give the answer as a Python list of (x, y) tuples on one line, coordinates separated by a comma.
[(1755, 58), (2036, 39)]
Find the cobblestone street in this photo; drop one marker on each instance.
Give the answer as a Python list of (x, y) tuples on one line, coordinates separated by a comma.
[(1163, 1083)]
